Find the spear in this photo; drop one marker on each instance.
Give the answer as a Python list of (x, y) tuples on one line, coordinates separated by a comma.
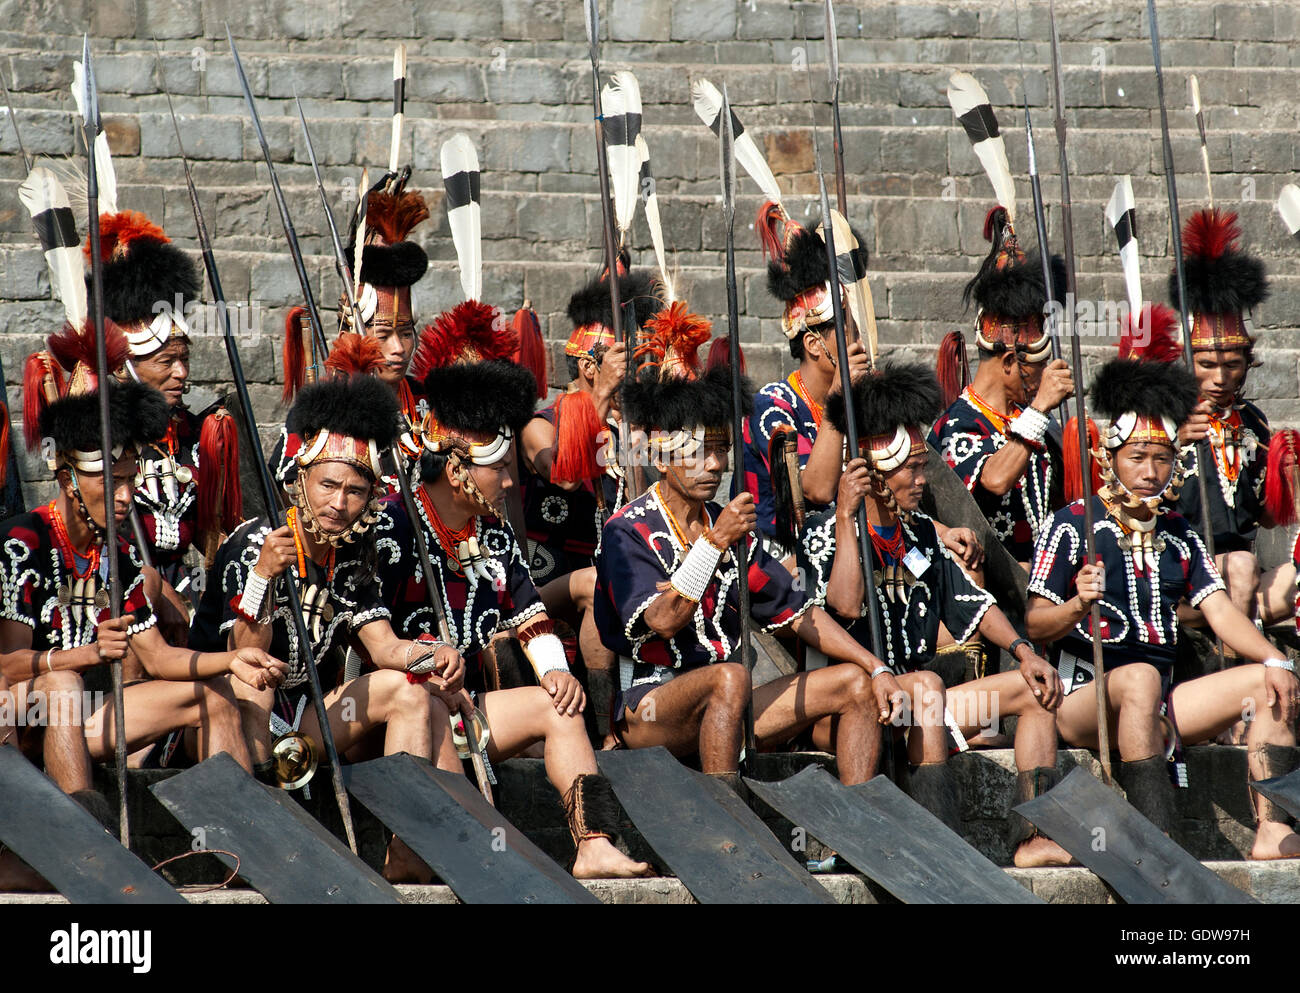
[(1040, 211), (1204, 455), (263, 473), (727, 170), (865, 552), (1200, 127), (866, 308), (1080, 411), (13, 503), (403, 481), (91, 126), (291, 235)]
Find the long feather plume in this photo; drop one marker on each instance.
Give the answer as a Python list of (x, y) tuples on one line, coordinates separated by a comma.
[(971, 105), (708, 108), (851, 262), (358, 247), (1200, 126), (56, 228), (647, 185), (399, 105), (1121, 215), (103, 160), (1288, 205), (621, 104), (460, 178)]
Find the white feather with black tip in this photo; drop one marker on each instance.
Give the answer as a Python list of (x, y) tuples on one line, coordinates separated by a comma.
[(647, 187), (971, 105), (708, 107), (460, 178), (1121, 215), (399, 105), (47, 201), (1288, 205), (620, 102), (104, 172)]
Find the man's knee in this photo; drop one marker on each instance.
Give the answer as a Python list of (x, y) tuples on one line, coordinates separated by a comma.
[(1242, 573), (582, 587), (58, 681), (855, 688), (1139, 686), (731, 684)]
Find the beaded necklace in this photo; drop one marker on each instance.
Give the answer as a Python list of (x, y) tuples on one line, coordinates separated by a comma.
[(449, 540), (797, 384), (64, 542), (999, 421), (678, 531), (890, 549), (292, 517)]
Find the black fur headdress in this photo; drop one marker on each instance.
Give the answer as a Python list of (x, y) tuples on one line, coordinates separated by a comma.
[(137, 415), (397, 261), (590, 305), (360, 407), (897, 393), (1007, 284), (674, 404), (1150, 389), (481, 397), (142, 269)]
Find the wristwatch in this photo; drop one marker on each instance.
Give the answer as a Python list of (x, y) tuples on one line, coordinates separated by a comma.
[(1016, 644)]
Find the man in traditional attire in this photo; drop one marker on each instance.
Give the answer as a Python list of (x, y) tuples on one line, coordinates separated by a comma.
[(1224, 284), (667, 598), (55, 630), (1150, 560), (996, 432), (478, 402), (918, 585), (327, 547)]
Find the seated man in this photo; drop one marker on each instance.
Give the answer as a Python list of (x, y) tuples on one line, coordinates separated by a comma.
[(56, 633), (477, 403), (1150, 559), (995, 434), (327, 547), (1227, 432), (667, 603), (918, 584)]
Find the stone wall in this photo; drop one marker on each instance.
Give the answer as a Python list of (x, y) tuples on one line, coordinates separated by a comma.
[(513, 75)]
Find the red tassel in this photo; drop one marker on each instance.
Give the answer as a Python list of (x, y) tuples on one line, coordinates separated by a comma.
[(530, 348), (576, 428), (221, 503), (720, 354), (41, 376), (1279, 478), (952, 367), (294, 353), (1073, 463), (4, 444)]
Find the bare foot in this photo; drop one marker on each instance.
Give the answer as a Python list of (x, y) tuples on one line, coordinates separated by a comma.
[(610, 743), (599, 859), (401, 865), (16, 876), (993, 739), (1275, 841), (1040, 851), (1235, 735)]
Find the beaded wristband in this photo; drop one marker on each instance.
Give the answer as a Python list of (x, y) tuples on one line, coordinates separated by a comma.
[(1031, 425), (546, 653), (695, 573), (253, 599)]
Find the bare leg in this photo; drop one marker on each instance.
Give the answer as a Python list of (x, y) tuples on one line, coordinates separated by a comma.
[(63, 743), (837, 702), (1277, 594), (981, 703), (1207, 705), (520, 717), (1133, 708), (700, 711), (255, 718)]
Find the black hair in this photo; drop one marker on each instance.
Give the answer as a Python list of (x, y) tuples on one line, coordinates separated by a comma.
[(896, 393), (674, 404), (137, 415), (358, 407), (1151, 389), (481, 397), (150, 274)]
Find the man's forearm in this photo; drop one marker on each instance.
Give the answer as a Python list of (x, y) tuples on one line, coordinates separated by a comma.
[(669, 613), (821, 473), (1046, 621), (845, 589), (1236, 629), (1003, 469), (818, 629)]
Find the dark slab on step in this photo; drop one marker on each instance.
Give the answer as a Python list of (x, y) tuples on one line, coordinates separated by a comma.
[(890, 838), (720, 854), (284, 853), (1107, 834), (58, 838), (466, 841)]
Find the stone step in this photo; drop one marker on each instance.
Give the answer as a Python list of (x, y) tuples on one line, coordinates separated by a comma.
[(1268, 882)]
